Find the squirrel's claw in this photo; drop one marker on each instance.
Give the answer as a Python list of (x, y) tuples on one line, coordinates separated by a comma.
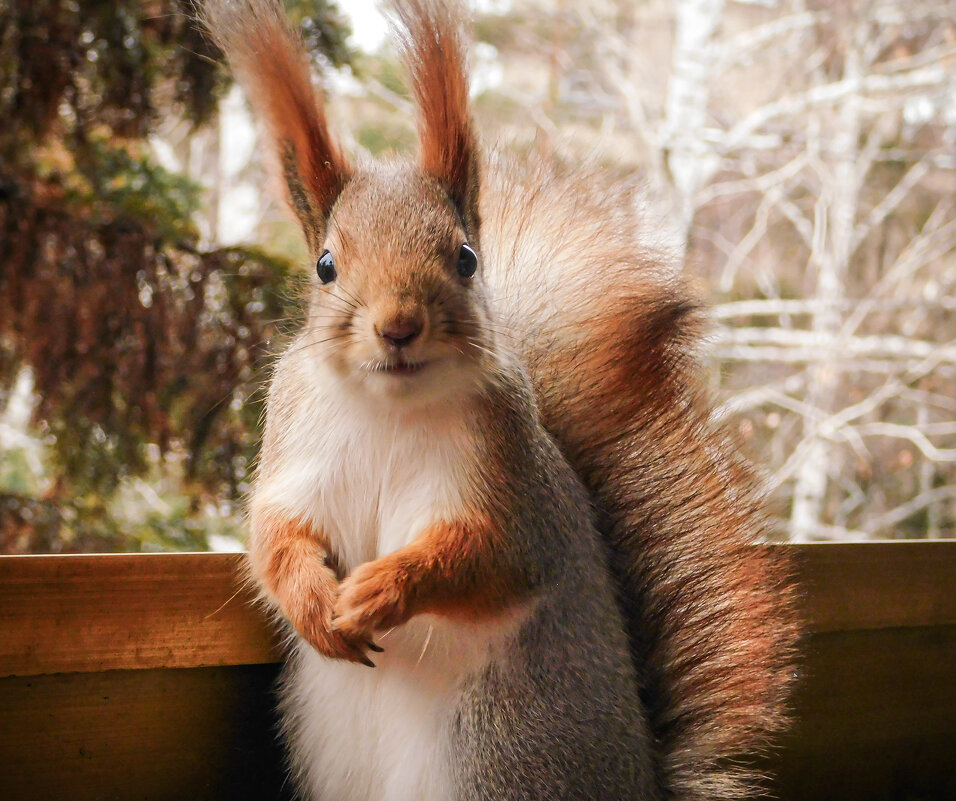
[(364, 660), (335, 645), (320, 632)]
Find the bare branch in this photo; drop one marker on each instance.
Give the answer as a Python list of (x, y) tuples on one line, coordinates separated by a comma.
[(900, 513), (891, 200), (913, 434), (833, 93), (741, 48), (774, 306), (761, 183), (839, 348)]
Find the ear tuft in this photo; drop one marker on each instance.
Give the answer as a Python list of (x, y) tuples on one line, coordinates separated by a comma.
[(431, 38), (271, 64)]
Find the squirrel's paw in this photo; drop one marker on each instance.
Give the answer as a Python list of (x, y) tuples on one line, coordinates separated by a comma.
[(338, 645), (371, 599), (313, 621)]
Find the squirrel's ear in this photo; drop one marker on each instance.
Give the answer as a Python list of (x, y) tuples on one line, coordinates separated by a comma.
[(430, 33), (270, 62)]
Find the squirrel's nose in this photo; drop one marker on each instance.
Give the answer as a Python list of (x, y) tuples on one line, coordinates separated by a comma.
[(400, 332)]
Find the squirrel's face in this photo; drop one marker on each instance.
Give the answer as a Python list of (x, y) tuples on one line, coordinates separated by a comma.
[(397, 308)]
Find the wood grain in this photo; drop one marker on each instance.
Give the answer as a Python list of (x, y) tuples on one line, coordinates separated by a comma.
[(158, 735), (875, 721), (874, 718), (62, 614), (852, 586), (135, 711)]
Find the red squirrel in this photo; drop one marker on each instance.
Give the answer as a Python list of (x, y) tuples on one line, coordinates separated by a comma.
[(513, 550)]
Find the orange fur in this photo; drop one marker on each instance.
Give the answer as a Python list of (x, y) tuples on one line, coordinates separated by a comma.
[(710, 616), (452, 569), (273, 67), (610, 351), (609, 334), (290, 560), (432, 45)]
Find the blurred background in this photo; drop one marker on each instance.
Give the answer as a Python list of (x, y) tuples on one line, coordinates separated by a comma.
[(799, 156)]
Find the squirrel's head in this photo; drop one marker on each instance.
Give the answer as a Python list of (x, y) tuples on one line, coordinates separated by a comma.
[(396, 303)]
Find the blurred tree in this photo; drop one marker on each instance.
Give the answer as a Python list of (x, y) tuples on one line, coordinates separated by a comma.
[(139, 341), (801, 155)]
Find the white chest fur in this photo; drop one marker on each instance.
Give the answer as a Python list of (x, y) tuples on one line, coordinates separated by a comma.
[(382, 734), (371, 484), (369, 481)]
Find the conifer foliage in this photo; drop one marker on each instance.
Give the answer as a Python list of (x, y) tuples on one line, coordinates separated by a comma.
[(137, 337)]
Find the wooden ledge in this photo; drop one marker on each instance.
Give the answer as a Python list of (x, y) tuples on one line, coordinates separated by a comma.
[(876, 585), (68, 614), (78, 614)]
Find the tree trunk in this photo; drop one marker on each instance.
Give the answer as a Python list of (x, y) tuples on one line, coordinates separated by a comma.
[(833, 248), (690, 159)]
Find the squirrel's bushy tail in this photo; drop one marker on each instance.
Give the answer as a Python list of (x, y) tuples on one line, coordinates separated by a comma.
[(608, 332)]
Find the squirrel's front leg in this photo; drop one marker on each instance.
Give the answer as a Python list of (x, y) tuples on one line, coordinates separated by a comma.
[(458, 569), (288, 559)]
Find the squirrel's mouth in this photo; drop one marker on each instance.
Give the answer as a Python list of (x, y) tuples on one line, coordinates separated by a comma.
[(399, 367)]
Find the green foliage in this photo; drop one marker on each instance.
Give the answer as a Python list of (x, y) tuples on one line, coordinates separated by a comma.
[(121, 181), (323, 29), (138, 339), (377, 128), (378, 138), (389, 72)]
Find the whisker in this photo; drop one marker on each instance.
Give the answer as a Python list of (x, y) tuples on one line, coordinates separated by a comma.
[(348, 304), (330, 316), (356, 300), (490, 326), (428, 639), (467, 329), (315, 343), (474, 344)]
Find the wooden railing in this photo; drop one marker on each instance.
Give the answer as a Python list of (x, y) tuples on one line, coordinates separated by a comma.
[(149, 677)]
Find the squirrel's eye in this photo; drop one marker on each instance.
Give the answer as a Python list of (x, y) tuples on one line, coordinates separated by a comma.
[(325, 268), (467, 262)]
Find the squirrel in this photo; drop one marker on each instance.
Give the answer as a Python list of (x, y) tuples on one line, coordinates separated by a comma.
[(513, 549)]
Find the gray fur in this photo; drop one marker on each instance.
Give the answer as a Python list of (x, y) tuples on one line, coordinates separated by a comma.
[(558, 716)]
